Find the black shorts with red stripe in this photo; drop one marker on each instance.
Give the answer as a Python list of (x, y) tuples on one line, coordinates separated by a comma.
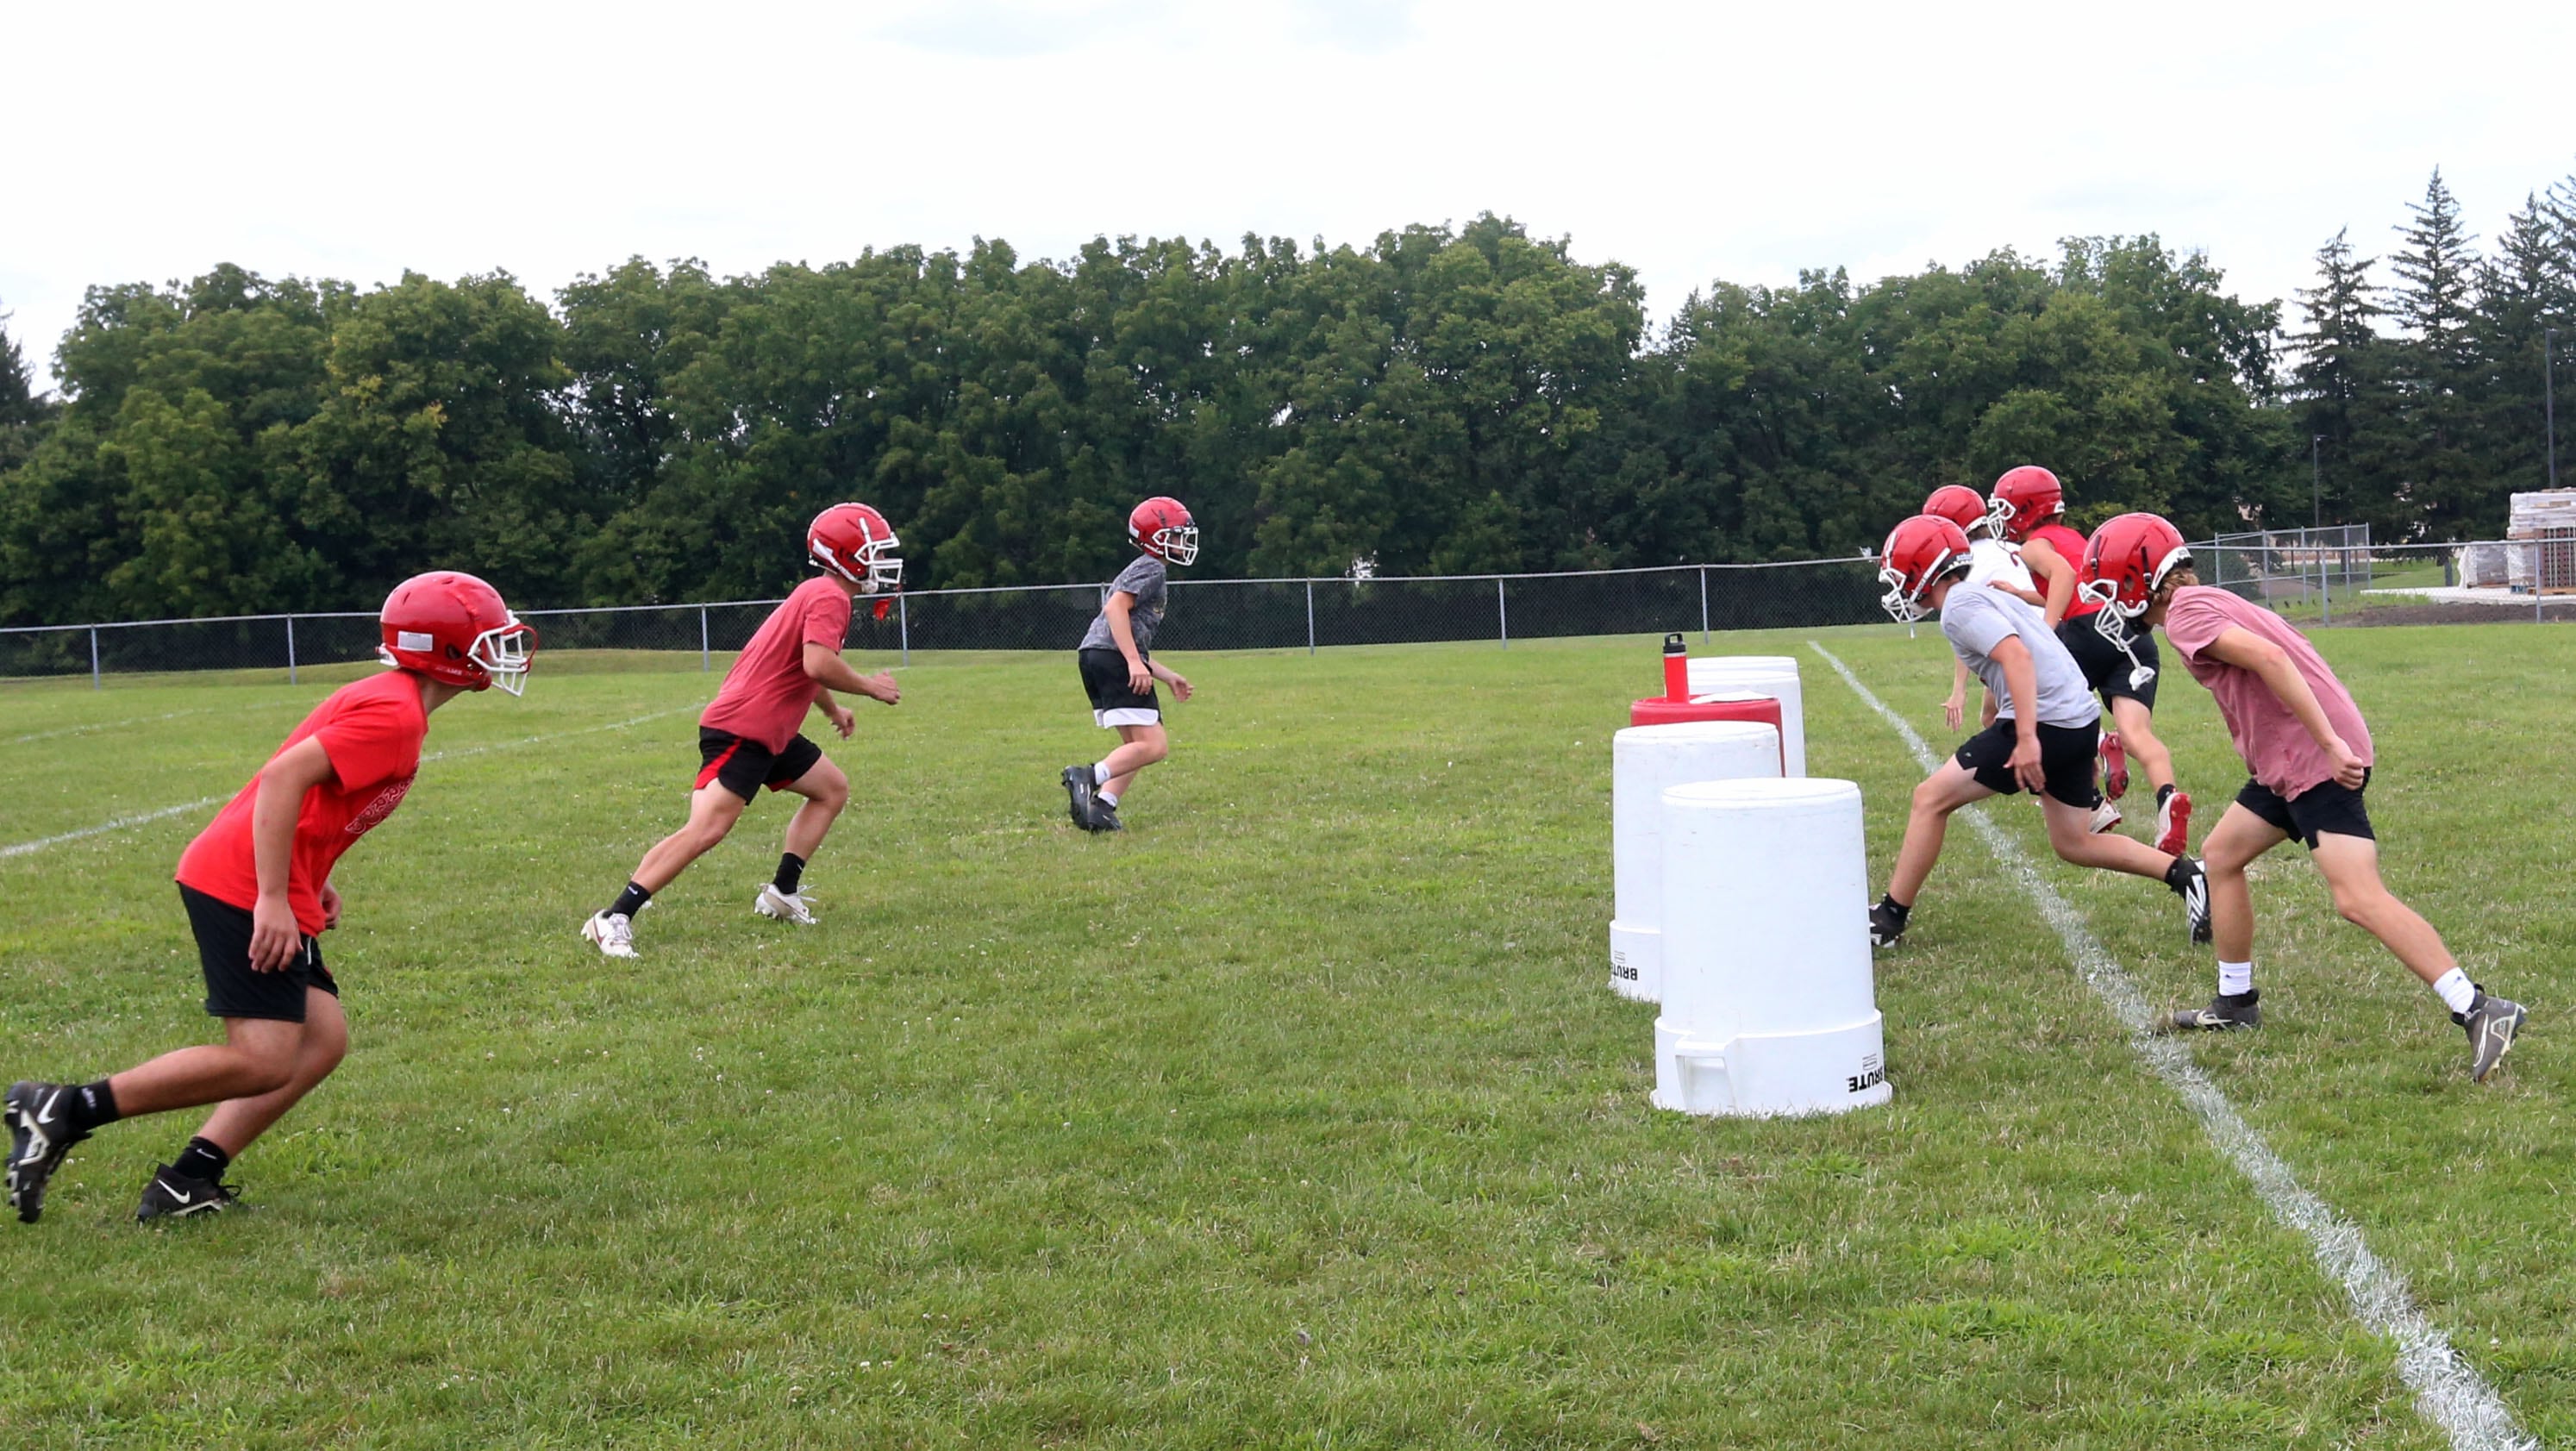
[(743, 767)]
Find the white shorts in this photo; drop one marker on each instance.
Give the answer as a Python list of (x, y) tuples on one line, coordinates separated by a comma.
[(1126, 716)]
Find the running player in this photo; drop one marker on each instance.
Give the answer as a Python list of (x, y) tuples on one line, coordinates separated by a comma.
[(748, 737), (2028, 506), (2042, 739), (2310, 753), (256, 884), (1118, 669), (1992, 563)]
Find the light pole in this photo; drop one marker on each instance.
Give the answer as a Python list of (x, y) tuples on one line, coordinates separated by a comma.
[(2549, 396), (2316, 489)]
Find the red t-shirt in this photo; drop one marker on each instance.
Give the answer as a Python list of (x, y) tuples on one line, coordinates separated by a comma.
[(767, 692), (2277, 749), (372, 732), (2070, 547)]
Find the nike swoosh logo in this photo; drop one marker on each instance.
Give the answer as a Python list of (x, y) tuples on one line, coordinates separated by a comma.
[(175, 1194), (45, 1115)]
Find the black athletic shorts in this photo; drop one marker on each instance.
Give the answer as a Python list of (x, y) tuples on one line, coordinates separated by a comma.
[(2065, 760), (2331, 809), (1104, 679), (233, 990), (743, 767), (2105, 669)]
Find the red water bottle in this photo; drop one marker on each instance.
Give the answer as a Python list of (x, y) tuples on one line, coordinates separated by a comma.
[(1676, 669)]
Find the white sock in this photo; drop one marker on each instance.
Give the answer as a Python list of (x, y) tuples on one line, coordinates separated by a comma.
[(1100, 773), (2235, 979), (2456, 990), (1107, 798)]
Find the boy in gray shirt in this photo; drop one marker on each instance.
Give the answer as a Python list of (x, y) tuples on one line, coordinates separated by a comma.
[(1118, 668), (2043, 739)]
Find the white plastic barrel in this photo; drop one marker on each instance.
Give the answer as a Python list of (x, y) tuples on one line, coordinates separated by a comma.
[(1770, 1006), (1772, 675), (1643, 761)]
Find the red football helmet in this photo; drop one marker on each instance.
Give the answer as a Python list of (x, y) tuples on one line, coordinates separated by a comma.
[(1960, 505), (856, 543), (2025, 498), (1919, 553), (454, 628), (2126, 562), (1162, 528)]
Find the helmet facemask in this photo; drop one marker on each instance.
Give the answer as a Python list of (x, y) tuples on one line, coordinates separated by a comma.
[(505, 652), (1906, 606), (1178, 543)]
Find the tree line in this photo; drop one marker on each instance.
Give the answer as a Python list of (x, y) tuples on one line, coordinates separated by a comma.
[(1444, 399)]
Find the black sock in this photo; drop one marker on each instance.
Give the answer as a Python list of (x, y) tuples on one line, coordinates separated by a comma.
[(2161, 793), (92, 1105), (791, 870), (201, 1160), (629, 902), (1901, 909)]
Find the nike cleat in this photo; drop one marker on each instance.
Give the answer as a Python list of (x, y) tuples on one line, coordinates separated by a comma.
[(2492, 1023), (1104, 817), (1080, 803), (2105, 816), (2226, 1012), (1886, 925), (2190, 881), (2173, 824), (2115, 766), (611, 933), (783, 906), (173, 1195), (39, 1140)]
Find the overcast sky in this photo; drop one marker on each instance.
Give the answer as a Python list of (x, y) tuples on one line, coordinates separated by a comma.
[(1691, 141)]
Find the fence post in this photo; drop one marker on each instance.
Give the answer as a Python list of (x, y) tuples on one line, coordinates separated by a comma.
[(706, 649), (2537, 560), (290, 649), (1502, 612), (93, 659), (2325, 591), (903, 624), (1703, 604), (1310, 617)]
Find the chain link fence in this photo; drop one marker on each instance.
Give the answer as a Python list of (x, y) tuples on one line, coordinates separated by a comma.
[(2339, 576), (1255, 614)]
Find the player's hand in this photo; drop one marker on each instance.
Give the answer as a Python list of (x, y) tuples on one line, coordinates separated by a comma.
[(881, 687), (1952, 710), (1139, 679), (330, 906), (2349, 769), (843, 719), (1180, 686), (2025, 764), (274, 937)]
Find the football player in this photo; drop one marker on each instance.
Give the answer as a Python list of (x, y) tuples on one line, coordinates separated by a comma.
[(1118, 668), (2310, 753), (1992, 564), (2042, 739), (2028, 505), (256, 884), (748, 737)]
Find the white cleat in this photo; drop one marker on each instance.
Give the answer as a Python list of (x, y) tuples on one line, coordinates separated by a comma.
[(611, 933), (2105, 816), (783, 906)]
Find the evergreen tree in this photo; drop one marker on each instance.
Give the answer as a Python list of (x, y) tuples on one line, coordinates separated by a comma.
[(2445, 493), (20, 405), (2528, 287), (2339, 389)]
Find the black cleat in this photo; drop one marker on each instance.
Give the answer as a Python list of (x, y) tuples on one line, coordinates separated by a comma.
[(1104, 817), (2492, 1021), (2225, 1013), (1080, 803), (2190, 881), (173, 1195), (39, 1140), (1886, 924)]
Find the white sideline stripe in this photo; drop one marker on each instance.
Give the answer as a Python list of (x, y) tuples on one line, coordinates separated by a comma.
[(117, 725), (2448, 1390), (145, 818)]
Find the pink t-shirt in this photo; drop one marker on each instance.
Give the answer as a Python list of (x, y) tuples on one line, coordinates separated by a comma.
[(767, 692), (2277, 749)]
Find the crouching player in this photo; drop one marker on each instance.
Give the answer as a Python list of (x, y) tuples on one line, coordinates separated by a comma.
[(748, 737), (257, 887), (1992, 564), (2310, 754), (1118, 669), (2042, 740)]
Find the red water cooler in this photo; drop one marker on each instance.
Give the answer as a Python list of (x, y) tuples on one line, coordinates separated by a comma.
[(1678, 704)]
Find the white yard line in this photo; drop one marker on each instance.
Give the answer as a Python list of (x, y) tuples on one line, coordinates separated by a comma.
[(2448, 1390), (118, 725), (145, 818)]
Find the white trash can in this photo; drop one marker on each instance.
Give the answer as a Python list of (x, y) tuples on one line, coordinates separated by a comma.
[(1770, 1006), (1772, 675), (1643, 761)]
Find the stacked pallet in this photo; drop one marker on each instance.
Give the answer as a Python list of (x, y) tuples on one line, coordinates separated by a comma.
[(2545, 522)]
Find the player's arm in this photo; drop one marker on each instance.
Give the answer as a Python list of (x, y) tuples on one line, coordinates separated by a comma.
[(829, 672), (1180, 683), (2030, 597), (833, 711), (1958, 698), (2271, 664), (2021, 678), (274, 936), (2055, 573), (1123, 630)]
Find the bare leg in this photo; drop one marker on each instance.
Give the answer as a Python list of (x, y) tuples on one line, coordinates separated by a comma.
[(1142, 746), (2070, 832), (826, 791), (237, 1121), (2226, 852), (257, 1056), (2138, 737), (712, 812), (1944, 791), (2351, 867)]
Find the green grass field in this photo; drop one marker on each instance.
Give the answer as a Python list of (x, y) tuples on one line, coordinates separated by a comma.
[(1298, 1115)]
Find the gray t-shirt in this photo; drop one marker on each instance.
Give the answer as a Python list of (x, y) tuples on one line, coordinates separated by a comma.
[(1144, 580), (1976, 620)]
